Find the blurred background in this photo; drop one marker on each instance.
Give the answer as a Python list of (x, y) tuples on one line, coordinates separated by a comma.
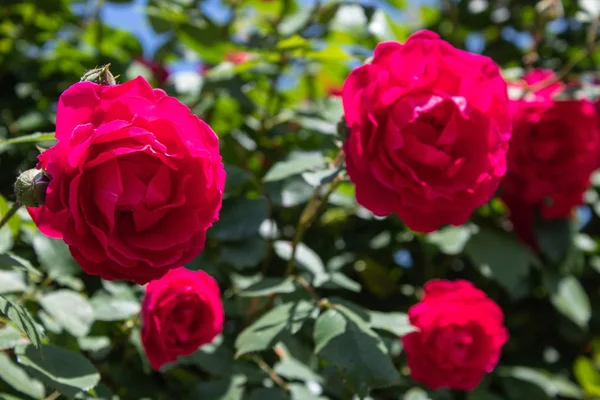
[(267, 76), (306, 47)]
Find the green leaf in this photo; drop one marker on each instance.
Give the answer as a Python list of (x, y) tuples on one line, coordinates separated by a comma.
[(268, 286), (268, 394), (14, 221), (552, 385), (12, 281), (10, 337), (346, 340), (554, 237), (301, 392), (295, 166), (34, 137), (451, 239), (109, 308), (305, 257), (54, 256), (23, 320), (64, 370), (571, 300), (240, 218), (416, 394), (283, 320), (10, 260), (394, 322), (507, 258), (6, 238), (236, 178), (94, 343), (224, 389), (292, 369), (70, 310), (246, 254), (339, 280), (16, 377), (587, 375)]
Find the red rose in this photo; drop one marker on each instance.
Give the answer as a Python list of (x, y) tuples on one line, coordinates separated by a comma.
[(136, 180), (553, 150), (460, 336), (429, 131), (181, 312)]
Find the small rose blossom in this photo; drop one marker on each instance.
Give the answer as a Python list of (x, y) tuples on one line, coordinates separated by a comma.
[(136, 180), (554, 148), (180, 312), (460, 337), (429, 129), (237, 56)]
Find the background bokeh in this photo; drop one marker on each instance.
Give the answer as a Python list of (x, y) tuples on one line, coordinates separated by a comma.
[(267, 76)]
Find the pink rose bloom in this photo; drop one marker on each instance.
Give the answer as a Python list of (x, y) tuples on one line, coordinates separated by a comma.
[(180, 312), (460, 337), (429, 130), (136, 180)]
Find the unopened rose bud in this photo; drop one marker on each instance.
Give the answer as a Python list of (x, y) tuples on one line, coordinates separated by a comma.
[(550, 9), (30, 187), (101, 76)]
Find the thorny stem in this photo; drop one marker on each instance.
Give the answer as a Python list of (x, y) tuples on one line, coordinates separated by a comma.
[(13, 210), (312, 209), (269, 371)]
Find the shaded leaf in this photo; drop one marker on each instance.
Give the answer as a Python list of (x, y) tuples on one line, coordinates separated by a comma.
[(269, 286), (239, 218), (394, 322), (508, 259), (552, 385), (16, 377), (305, 257), (571, 300), (108, 308), (338, 330), (10, 337), (54, 256), (10, 260), (246, 254), (295, 166), (64, 370), (223, 389), (285, 319), (23, 320), (268, 394), (70, 310), (12, 281)]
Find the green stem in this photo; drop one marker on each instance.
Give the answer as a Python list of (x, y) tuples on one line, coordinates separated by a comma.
[(13, 210), (312, 209), (53, 396)]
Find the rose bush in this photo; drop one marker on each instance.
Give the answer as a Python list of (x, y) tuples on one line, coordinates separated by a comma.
[(460, 335), (180, 312), (136, 180), (554, 148), (429, 131)]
